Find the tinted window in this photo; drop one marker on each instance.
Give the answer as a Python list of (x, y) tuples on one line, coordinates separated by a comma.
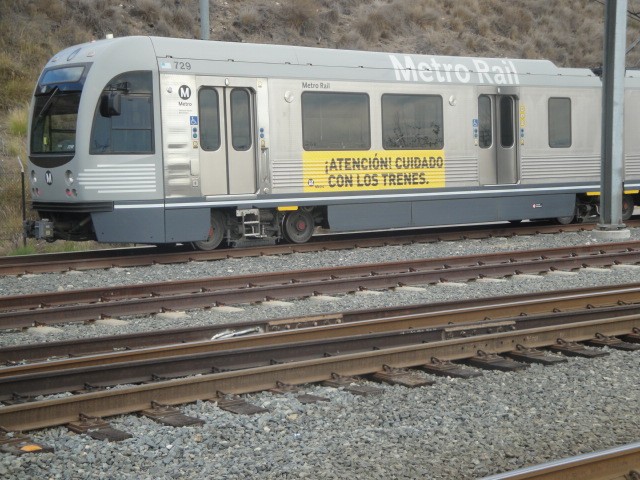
[(130, 131), (559, 122), (62, 75), (506, 122), (412, 122), (209, 119), (240, 119), (335, 121), (485, 122), (53, 126)]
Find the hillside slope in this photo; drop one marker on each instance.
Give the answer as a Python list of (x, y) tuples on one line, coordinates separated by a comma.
[(568, 33)]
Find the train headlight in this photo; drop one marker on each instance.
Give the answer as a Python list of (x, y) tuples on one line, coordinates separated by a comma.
[(34, 178), (69, 177)]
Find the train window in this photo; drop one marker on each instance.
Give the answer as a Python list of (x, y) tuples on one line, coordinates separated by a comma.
[(208, 105), (62, 75), (54, 121), (506, 122), (335, 121), (485, 122), (125, 125), (412, 121), (240, 119), (559, 122)]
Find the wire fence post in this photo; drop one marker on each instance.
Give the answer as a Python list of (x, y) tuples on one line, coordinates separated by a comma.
[(24, 202)]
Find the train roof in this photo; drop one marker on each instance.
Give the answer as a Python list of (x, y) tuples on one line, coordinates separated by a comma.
[(266, 60)]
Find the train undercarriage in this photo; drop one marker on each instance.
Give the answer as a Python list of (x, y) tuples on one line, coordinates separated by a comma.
[(234, 227), (237, 227)]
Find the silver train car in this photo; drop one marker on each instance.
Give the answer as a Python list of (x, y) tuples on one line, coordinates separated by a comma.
[(159, 140)]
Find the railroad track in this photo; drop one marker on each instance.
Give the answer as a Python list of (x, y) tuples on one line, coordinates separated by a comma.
[(621, 463), (145, 365), (145, 256), (440, 313), (86, 305), (415, 316), (299, 357)]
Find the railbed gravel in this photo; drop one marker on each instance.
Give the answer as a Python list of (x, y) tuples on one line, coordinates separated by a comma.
[(454, 429)]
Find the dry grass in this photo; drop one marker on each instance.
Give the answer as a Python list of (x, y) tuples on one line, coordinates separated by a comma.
[(10, 204), (298, 14), (17, 121), (249, 20), (149, 11)]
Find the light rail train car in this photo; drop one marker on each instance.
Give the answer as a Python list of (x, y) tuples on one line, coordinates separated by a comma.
[(159, 140)]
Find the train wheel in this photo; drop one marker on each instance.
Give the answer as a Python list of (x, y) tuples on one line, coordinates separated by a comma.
[(216, 233), (565, 220), (627, 207), (297, 226)]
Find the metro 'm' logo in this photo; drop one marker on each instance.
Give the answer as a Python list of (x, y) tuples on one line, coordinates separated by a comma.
[(185, 92)]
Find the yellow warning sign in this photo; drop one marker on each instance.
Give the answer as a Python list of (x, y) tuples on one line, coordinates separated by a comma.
[(347, 171)]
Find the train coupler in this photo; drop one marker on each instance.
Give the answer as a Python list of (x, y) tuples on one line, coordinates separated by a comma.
[(39, 229)]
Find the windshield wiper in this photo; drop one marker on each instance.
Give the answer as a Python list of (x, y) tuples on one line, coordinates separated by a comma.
[(47, 104)]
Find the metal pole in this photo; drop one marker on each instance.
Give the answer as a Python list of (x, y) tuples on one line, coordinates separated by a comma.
[(204, 19), (24, 203), (612, 160)]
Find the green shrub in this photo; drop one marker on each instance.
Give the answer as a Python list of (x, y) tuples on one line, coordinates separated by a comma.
[(29, 249)]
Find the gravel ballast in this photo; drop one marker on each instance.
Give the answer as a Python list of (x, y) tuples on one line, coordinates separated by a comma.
[(452, 429)]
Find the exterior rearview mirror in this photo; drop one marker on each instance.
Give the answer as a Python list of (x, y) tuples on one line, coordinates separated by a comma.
[(110, 104)]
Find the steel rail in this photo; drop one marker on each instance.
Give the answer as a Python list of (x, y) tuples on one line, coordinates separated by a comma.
[(103, 294), (613, 463), (129, 257), (448, 325), (298, 284), (450, 312), (181, 360), (47, 413)]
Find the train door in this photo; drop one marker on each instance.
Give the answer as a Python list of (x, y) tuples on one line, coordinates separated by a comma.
[(227, 146), (497, 139)]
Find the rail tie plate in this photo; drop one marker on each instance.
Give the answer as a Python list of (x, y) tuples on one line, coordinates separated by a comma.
[(350, 384), (492, 361), (282, 388), (170, 416), (237, 405), (633, 337), (304, 398), (532, 355), (443, 368), (612, 342), (307, 398), (394, 376), (97, 429), (573, 349)]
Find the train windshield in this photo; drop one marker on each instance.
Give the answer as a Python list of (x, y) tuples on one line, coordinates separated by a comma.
[(55, 112)]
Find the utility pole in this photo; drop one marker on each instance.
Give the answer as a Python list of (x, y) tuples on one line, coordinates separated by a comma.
[(612, 159), (204, 19)]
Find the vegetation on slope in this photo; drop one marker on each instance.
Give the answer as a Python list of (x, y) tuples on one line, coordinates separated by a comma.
[(568, 33)]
